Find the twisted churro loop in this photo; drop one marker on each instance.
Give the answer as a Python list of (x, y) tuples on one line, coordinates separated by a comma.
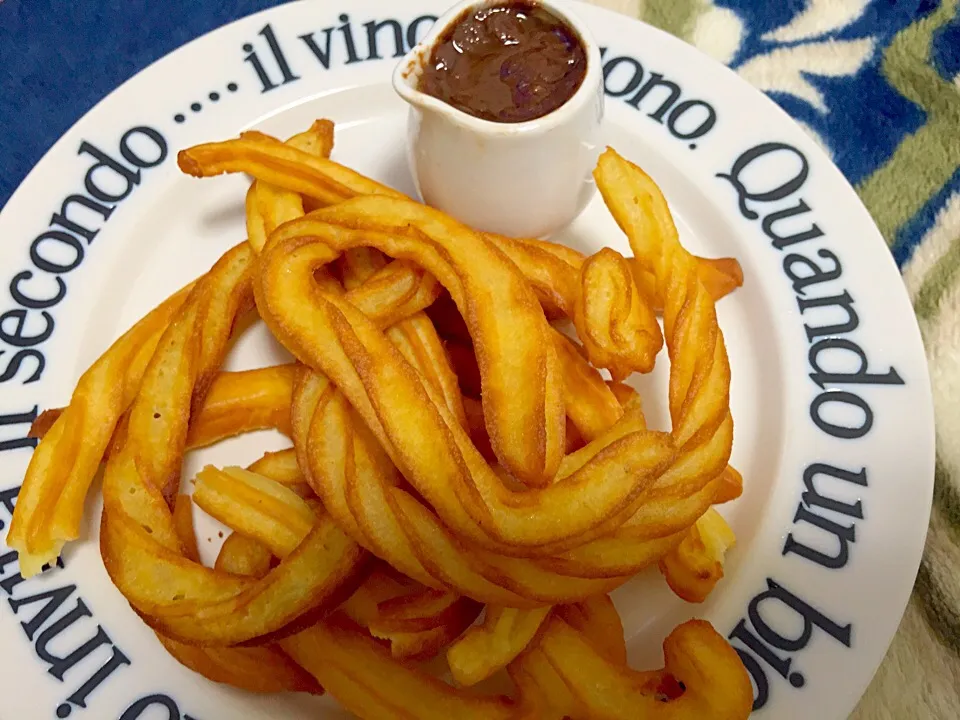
[(264, 668), (699, 391), (553, 271), (360, 486), (350, 472), (629, 537), (330, 335), (525, 423), (76, 439), (199, 604), (51, 500), (138, 534), (196, 603), (618, 329)]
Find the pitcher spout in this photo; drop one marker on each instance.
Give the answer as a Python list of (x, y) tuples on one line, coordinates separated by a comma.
[(406, 78)]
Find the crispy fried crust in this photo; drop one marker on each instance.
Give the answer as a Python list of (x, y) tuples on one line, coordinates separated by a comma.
[(475, 449)]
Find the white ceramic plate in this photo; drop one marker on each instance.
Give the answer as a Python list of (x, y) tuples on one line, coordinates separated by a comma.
[(834, 429)]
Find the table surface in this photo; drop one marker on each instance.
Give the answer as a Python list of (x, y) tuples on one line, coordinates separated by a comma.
[(876, 82)]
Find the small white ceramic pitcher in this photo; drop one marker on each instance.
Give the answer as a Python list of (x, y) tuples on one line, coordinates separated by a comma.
[(526, 179)]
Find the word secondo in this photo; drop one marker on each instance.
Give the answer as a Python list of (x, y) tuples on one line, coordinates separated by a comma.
[(109, 179)]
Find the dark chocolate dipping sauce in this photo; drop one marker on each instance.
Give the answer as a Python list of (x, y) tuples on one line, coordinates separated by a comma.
[(509, 63)]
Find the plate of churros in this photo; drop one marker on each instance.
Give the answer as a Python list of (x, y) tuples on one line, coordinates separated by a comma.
[(509, 360)]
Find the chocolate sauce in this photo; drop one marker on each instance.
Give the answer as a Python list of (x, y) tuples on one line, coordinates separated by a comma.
[(508, 63)]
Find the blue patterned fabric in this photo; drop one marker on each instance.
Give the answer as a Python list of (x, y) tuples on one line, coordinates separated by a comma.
[(59, 58), (867, 118)]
